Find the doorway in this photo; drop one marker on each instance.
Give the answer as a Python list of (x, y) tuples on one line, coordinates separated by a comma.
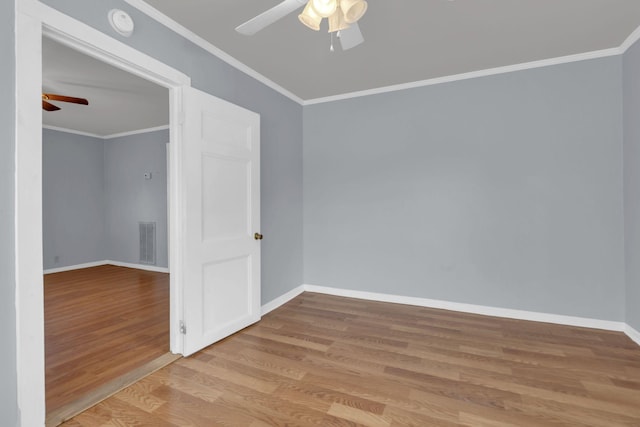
[(106, 294), (204, 155), (33, 20), (106, 283)]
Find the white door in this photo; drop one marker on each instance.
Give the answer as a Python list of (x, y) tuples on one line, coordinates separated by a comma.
[(221, 256)]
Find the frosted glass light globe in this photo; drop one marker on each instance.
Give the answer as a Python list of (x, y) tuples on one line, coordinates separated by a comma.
[(324, 8)]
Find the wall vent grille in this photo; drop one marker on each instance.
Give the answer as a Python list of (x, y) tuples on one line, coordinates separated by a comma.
[(147, 242)]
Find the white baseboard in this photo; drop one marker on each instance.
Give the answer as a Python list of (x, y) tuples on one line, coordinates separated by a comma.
[(273, 304), (462, 307), (533, 316), (475, 309), (139, 266), (107, 262), (632, 333), (76, 267)]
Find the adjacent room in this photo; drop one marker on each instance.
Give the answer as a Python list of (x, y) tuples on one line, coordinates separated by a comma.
[(106, 276), (374, 214)]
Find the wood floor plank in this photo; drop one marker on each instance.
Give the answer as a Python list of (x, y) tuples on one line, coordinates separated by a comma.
[(359, 416), (107, 389), (322, 360), (571, 414), (100, 324)]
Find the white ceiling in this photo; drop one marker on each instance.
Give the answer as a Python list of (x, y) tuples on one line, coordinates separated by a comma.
[(407, 40), (119, 102)]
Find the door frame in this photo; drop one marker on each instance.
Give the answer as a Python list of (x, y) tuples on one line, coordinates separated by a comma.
[(33, 21)]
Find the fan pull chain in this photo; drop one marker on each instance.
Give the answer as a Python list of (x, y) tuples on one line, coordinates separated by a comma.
[(331, 48)]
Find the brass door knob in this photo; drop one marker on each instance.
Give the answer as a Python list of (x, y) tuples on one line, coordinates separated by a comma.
[(257, 236)]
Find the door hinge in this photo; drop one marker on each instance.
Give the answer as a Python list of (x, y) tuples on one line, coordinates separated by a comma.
[(183, 328), (181, 118)]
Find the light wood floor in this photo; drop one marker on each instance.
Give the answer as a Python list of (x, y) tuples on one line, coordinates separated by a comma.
[(101, 323), (329, 361)]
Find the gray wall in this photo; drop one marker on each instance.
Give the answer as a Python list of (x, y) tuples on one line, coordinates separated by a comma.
[(498, 187), (73, 218), (94, 194), (503, 191), (130, 198), (281, 131), (8, 390), (631, 90)]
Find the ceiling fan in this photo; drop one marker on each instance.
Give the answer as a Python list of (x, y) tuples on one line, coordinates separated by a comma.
[(46, 97), (342, 15)]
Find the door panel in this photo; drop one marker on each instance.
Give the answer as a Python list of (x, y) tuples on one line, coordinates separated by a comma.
[(228, 204), (221, 160), (228, 277)]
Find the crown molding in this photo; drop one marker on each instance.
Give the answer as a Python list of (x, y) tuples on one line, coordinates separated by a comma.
[(135, 132), (115, 135), (471, 75), (633, 37), (72, 131), (209, 47)]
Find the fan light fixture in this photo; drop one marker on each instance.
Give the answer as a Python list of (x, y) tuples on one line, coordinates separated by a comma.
[(353, 9), (337, 21), (324, 8), (310, 18), (340, 13)]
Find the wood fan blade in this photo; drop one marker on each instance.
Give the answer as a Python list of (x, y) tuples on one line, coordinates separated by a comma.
[(49, 107), (63, 98)]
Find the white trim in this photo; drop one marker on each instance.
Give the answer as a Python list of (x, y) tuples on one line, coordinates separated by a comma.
[(209, 47), (632, 333), (70, 32), (136, 132), (281, 300), (107, 262), (115, 135), (33, 20), (532, 316), (71, 131), (28, 223), (139, 266), (471, 75), (633, 37), (76, 267), (472, 308)]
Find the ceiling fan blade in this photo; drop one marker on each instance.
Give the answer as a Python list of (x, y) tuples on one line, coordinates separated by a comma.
[(49, 107), (63, 98), (270, 16), (351, 37)]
